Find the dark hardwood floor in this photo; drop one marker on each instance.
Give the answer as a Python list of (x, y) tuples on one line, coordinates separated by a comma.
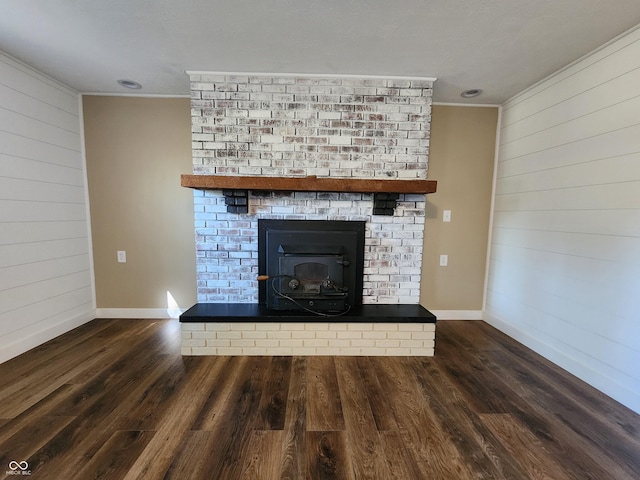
[(114, 399)]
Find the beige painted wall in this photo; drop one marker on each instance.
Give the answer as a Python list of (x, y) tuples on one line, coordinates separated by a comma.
[(461, 160), (136, 149)]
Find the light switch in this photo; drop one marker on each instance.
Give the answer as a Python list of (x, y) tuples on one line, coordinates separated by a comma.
[(444, 260), (446, 216), (122, 256)]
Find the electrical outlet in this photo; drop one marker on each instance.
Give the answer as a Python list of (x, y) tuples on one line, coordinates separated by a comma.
[(122, 256), (446, 216), (444, 260)]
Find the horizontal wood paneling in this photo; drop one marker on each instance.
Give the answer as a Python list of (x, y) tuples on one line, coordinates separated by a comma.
[(576, 105), (46, 284), (33, 252), (35, 149), (616, 169), (25, 105), (612, 222), (38, 316), (19, 232), (600, 67), (48, 92), (22, 295), (621, 250), (23, 274), (39, 191), (607, 146), (24, 126), (40, 171), (610, 119), (591, 197), (564, 272), (41, 211)]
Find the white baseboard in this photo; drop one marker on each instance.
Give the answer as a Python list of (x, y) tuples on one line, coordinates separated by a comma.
[(138, 313), (598, 380), (28, 342), (457, 314)]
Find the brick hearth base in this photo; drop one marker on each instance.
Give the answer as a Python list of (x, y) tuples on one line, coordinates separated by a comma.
[(286, 338), (251, 329)]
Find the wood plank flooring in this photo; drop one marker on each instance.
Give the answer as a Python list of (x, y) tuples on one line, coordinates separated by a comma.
[(114, 399)]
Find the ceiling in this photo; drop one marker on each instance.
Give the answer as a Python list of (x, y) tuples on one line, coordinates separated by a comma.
[(500, 46)]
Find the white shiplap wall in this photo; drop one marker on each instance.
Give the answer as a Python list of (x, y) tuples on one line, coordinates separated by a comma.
[(564, 274), (45, 279)]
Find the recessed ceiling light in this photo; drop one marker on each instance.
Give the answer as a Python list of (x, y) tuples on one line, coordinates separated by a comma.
[(129, 84), (474, 92)]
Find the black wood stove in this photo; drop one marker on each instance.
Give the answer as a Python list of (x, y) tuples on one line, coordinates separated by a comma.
[(311, 265)]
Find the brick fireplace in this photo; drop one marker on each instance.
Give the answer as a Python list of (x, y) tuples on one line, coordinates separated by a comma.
[(300, 127)]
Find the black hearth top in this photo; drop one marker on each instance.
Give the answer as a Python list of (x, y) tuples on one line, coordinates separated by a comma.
[(253, 312)]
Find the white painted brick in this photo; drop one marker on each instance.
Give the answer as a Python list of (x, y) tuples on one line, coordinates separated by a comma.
[(204, 335), (230, 335), (292, 326), (281, 351), (229, 351), (186, 351), (267, 343), (410, 327), (279, 334), (204, 351), (340, 342), (367, 342), (254, 334), (423, 352), (364, 343), (199, 342), (379, 335), (348, 335), (303, 334), (254, 350), (316, 326), (387, 327), (192, 326), (405, 116), (315, 342), (327, 334), (397, 352), (400, 335), (423, 335), (359, 327), (331, 351), (350, 351), (243, 326), (259, 113)]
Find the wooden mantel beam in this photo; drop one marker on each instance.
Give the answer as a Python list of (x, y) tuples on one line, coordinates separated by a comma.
[(307, 184)]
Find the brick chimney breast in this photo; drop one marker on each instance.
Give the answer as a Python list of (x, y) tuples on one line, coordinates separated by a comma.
[(298, 126)]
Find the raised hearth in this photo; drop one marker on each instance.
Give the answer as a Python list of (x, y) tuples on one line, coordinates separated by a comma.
[(253, 329), (251, 312)]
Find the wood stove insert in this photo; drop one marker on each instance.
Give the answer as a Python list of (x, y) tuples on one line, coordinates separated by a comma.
[(314, 266)]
